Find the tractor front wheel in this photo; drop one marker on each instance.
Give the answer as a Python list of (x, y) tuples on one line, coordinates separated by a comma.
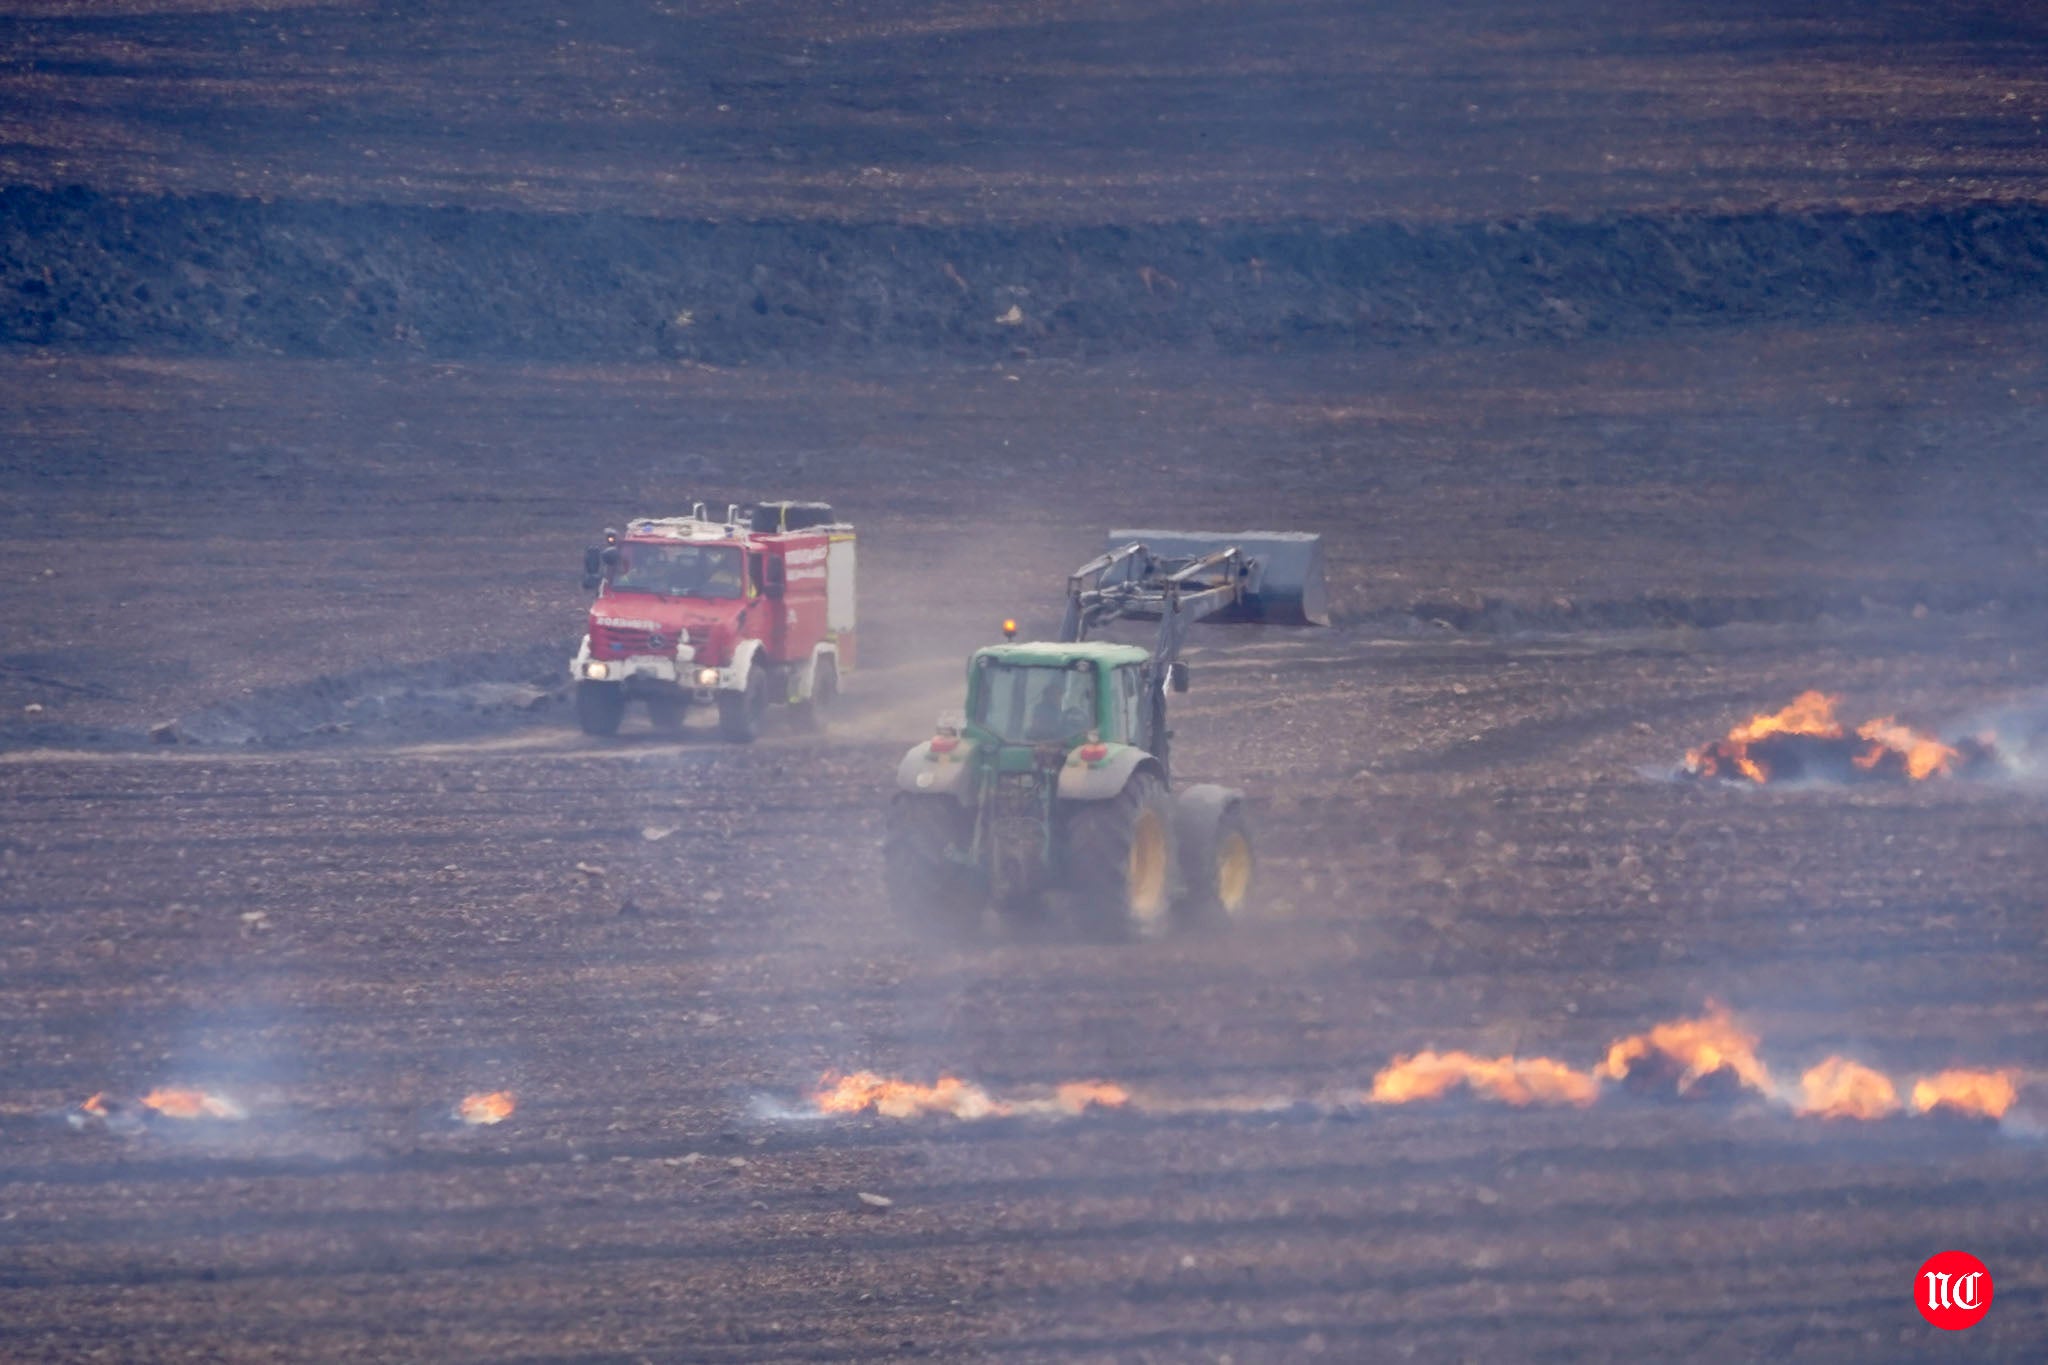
[(600, 706), (923, 854), (1216, 858), (1120, 859)]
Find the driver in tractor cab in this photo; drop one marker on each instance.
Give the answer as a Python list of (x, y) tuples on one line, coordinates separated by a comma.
[(1065, 706)]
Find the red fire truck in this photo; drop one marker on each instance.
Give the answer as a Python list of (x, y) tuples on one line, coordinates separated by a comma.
[(748, 610)]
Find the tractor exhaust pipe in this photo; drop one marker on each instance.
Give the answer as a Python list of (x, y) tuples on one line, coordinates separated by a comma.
[(1286, 587)]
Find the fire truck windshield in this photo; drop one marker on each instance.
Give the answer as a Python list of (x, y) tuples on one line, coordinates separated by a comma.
[(679, 570), (1028, 704)]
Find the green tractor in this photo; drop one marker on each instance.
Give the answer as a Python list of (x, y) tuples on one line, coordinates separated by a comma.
[(1058, 777)]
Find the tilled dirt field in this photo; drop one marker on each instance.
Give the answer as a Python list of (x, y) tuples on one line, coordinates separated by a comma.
[(1069, 111), (1470, 839), (1641, 372)]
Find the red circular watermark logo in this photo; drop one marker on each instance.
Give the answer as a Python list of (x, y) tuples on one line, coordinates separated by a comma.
[(1952, 1290)]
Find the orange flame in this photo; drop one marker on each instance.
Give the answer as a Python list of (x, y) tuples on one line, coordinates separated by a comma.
[(494, 1107), (191, 1104), (1986, 1093), (1511, 1080), (1692, 1058), (1924, 755), (1687, 1053), (1811, 713), (864, 1091), (1762, 745), (1841, 1089), (1076, 1096)]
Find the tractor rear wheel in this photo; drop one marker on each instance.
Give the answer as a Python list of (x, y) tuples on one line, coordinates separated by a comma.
[(739, 713), (922, 861), (600, 706), (1216, 863), (1120, 859)]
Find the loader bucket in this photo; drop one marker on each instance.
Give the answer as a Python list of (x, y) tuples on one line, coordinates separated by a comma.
[(1287, 587)]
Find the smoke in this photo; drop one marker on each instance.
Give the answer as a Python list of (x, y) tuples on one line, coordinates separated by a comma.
[(2018, 729)]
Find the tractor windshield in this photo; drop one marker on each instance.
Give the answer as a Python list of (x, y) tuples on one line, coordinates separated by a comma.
[(679, 570), (1036, 703)]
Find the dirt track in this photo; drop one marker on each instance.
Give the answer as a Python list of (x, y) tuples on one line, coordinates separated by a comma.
[(1559, 558)]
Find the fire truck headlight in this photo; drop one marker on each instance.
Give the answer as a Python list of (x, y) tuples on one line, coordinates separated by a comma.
[(596, 670), (707, 677)]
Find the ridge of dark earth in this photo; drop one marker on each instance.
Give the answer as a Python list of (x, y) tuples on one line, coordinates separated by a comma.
[(87, 271)]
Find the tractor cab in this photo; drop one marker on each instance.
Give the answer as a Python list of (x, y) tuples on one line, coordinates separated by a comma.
[(1061, 694)]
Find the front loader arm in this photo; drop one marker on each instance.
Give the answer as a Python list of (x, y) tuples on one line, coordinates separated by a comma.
[(1088, 604), (1175, 592)]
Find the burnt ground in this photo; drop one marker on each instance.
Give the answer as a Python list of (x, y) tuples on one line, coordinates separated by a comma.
[(1052, 111), (1579, 518)]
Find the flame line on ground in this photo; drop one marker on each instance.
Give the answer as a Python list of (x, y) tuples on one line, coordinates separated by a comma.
[(1704, 1056)]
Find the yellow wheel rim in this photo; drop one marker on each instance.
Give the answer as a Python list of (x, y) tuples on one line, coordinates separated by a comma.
[(1146, 876), (1234, 871)]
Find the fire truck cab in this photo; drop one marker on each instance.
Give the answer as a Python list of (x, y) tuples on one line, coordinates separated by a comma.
[(746, 611)]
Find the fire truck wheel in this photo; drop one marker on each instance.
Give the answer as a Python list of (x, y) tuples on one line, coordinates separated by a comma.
[(814, 714), (600, 707), (666, 714), (922, 852), (1120, 859), (739, 713)]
